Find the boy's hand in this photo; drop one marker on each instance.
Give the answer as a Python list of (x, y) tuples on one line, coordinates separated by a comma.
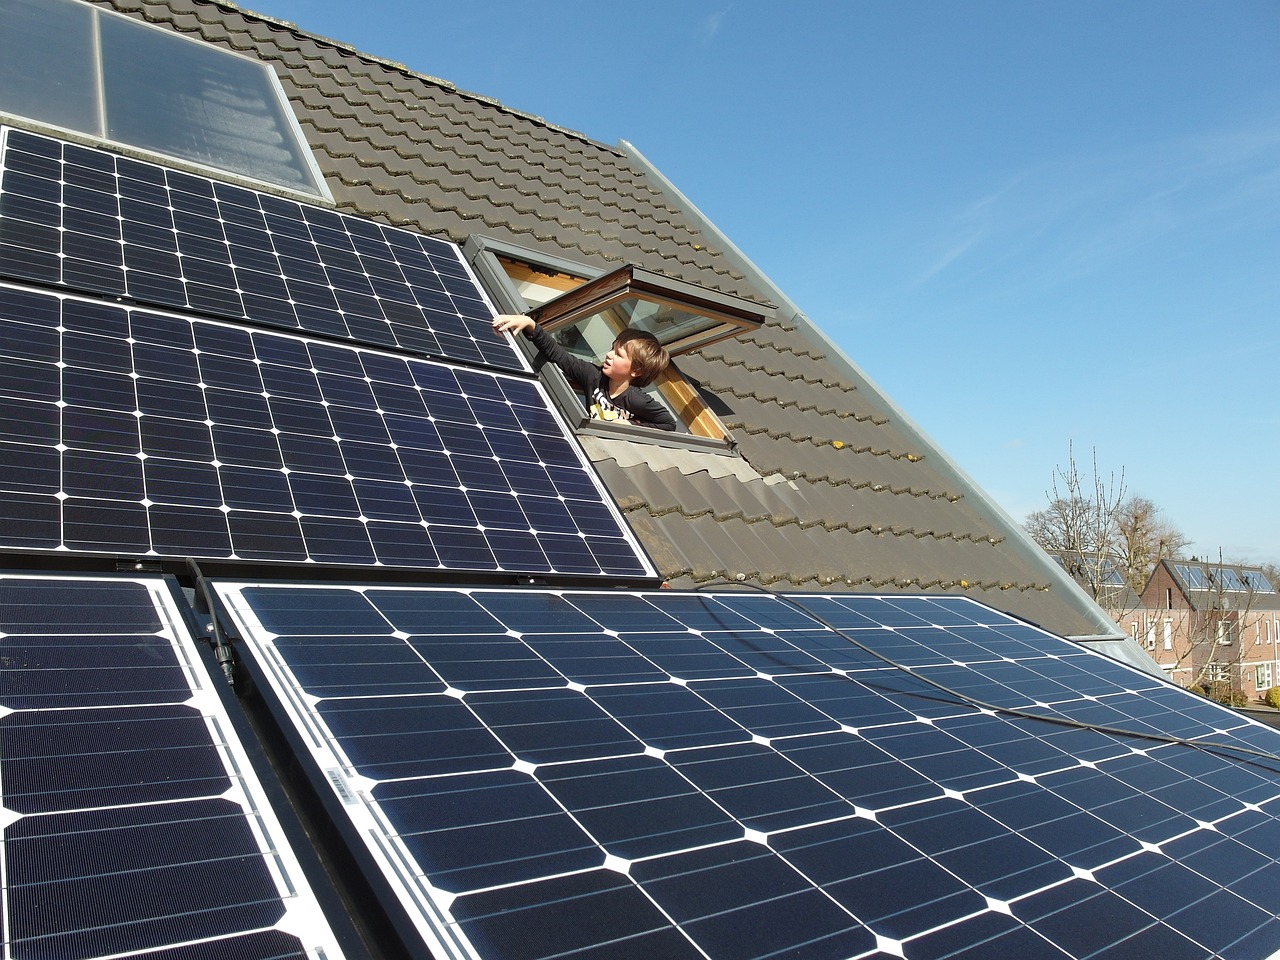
[(512, 323)]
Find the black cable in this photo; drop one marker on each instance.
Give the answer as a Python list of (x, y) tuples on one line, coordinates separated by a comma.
[(221, 648), (1206, 745)]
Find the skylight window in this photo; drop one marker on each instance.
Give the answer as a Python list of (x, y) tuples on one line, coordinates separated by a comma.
[(1193, 577), (682, 316), (70, 66), (585, 311), (1256, 581), (1223, 578), (1226, 578)]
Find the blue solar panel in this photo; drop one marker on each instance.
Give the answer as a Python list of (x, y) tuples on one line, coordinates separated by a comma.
[(133, 823), (130, 431), (1193, 576), (1256, 581), (96, 222), (639, 774)]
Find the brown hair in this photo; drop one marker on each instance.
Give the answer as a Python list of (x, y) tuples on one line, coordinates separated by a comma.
[(648, 357)]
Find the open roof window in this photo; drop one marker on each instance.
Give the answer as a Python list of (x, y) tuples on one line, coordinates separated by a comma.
[(585, 311), (71, 66), (682, 316)]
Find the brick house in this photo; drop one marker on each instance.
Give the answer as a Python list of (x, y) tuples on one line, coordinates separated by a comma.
[(1206, 623)]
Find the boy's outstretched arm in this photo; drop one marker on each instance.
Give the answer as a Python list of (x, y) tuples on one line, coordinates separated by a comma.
[(512, 323)]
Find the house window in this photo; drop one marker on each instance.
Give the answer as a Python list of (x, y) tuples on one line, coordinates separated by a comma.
[(1151, 635), (1168, 598), (682, 316), (585, 310), (1262, 676), (1219, 672), (74, 67), (1168, 634), (1133, 629)]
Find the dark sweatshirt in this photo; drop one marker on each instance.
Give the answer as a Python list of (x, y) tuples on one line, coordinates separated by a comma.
[(632, 405)]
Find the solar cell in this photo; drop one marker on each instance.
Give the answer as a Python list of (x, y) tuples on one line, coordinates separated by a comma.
[(769, 794), (130, 431), (133, 823), (94, 221), (1192, 575)]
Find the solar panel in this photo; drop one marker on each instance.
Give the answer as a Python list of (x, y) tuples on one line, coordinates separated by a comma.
[(130, 431), (133, 822), (1256, 581), (1226, 578), (97, 222), (544, 774), (1193, 576)]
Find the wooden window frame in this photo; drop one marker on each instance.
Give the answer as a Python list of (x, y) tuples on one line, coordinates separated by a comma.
[(496, 261)]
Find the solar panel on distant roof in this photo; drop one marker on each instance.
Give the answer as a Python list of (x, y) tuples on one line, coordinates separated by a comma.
[(1192, 576), (129, 431), (97, 222), (133, 822), (1257, 581), (724, 776)]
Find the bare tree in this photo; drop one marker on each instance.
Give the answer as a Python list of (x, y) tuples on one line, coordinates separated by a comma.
[(1080, 524), (1145, 537), (1107, 540), (1272, 573)]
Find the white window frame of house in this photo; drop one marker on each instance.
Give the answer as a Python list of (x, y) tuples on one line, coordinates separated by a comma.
[(124, 83), (1168, 634), (1218, 672), (1151, 635), (483, 253), (1262, 677)]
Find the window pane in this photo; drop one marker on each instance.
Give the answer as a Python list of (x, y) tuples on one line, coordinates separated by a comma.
[(1228, 579), (46, 63), (198, 103)]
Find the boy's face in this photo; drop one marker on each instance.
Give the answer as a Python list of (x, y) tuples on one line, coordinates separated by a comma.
[(617, 363)]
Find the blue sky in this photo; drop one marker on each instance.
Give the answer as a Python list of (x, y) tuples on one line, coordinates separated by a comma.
[(1034, 225)]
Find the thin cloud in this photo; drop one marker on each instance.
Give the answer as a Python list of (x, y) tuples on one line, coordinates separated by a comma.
[(711, 25), (950, 256), (973, 225), (1072, 218)]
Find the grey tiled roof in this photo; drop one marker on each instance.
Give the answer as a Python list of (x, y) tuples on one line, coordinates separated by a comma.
[(414, 151), (831, 491)]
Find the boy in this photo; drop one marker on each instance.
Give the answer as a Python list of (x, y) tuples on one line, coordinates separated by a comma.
[(612, 389)]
